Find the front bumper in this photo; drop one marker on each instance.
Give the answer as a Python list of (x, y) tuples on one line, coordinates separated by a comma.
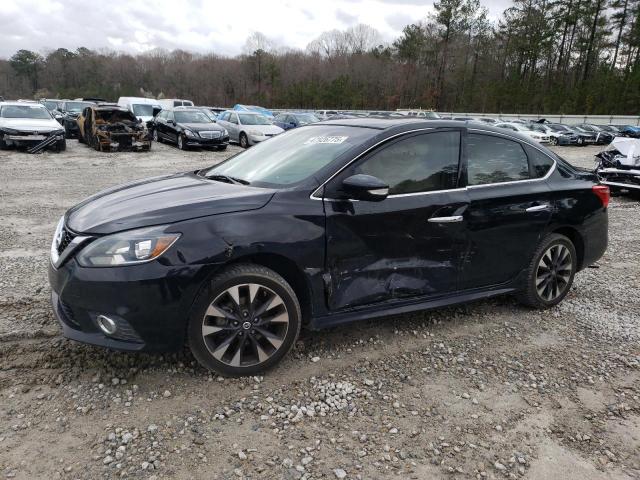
[(253, 139), (620, 178), (148, 302), (207, 142)]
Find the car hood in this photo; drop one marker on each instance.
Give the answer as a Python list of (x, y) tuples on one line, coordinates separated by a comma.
[(162, 200), (264, 129), (32, 124), (202, 127)]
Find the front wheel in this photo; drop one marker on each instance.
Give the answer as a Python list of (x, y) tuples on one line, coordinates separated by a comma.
[(550, 273), (580, 141), (61, 145), (156, 137), (181, 144), (553, 141), (244, 321), (222, 148), (244, 141)]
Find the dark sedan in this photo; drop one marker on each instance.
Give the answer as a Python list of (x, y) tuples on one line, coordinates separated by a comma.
[(70, 110), (330, 223), (188, 127), (632, 131), (602, 137), (287, 121), (577, 136)]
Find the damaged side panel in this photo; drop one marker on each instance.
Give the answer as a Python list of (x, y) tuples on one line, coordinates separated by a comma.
[(388, 250)]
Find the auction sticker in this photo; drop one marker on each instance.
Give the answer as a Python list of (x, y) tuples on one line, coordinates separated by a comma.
[(314, 140)]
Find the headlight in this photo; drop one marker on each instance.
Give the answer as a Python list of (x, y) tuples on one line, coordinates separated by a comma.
[(10, 131), (57, 237), (127, 248), (189, 133), (225, 133)]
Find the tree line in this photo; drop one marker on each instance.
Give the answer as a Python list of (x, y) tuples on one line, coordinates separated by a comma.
[(540, 56)]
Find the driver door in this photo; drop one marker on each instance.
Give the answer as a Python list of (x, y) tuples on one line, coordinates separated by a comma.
[(409, 244)]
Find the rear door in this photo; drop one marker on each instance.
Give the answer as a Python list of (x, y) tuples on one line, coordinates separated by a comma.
[(233, 127), (510, 207), (409, 244)]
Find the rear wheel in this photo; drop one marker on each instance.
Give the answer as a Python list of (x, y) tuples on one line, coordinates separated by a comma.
[(550, 273), (244, 321)]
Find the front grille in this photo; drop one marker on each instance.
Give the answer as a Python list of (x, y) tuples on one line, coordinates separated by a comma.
[(210, 134), (65, 240)]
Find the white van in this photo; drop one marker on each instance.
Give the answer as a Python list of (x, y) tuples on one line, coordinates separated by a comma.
[(169, 103), (141, 107)]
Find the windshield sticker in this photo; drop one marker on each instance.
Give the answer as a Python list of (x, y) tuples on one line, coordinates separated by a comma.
[(314, 140)]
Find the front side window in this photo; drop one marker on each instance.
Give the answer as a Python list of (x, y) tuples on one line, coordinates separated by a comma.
[(420, 163), (495, 160)]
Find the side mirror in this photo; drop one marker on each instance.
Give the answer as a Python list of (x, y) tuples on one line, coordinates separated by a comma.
[(292, 125), (171, 122), (365, 187)]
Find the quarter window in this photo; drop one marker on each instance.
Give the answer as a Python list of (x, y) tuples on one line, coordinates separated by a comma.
[(540, 163), (421, 163), (495, 160)]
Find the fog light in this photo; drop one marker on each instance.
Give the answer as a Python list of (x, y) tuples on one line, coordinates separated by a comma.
[(107, 325)]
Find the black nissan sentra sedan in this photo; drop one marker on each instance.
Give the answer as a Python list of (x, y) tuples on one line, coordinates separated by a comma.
[(328, 223)]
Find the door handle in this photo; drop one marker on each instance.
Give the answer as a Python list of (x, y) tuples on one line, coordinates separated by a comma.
[(537, 208), (455, 218)]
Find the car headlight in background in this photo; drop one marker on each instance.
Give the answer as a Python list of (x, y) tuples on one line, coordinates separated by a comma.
[(127, 248)]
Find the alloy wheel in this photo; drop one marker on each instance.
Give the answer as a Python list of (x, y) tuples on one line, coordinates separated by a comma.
[(155, 135), (180, 142), (245, 325), (554, 272)]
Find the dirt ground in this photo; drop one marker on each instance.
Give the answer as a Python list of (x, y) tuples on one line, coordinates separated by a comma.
[(487, 390)]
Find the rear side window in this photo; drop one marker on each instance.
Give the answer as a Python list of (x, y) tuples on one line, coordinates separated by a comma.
[(420, 163), (540, 163), (495, 160)]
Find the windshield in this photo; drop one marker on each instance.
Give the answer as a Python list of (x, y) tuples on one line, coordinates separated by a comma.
[(293, 156), (25, 111), (251, 119), (210, 115), (304, 118), (143, 110), (50, 105), (76, 107), (192, 116)]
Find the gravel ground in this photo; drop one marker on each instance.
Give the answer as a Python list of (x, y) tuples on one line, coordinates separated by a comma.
[(487, 390)]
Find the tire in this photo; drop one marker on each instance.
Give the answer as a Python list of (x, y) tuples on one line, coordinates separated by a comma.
[(220, 326), (222, 148), (580, 141), (180, 143), (539, 296), (553, 141), (96, 143), (244, 141), (3, 145), (156, 137), (61, 145)]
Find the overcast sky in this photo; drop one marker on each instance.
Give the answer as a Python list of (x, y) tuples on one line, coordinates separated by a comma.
[(219, 26)]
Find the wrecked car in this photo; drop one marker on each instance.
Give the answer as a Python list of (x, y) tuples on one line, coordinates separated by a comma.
[(328, 223), (109, 127), (619, 165), (29, 125)]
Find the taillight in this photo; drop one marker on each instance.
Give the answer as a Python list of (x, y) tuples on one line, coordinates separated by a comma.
[(603, 193)]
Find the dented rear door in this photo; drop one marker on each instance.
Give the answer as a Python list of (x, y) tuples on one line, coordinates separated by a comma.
[(408, 245)]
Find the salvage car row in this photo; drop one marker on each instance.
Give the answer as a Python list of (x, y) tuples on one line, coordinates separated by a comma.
[(133, 122)]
